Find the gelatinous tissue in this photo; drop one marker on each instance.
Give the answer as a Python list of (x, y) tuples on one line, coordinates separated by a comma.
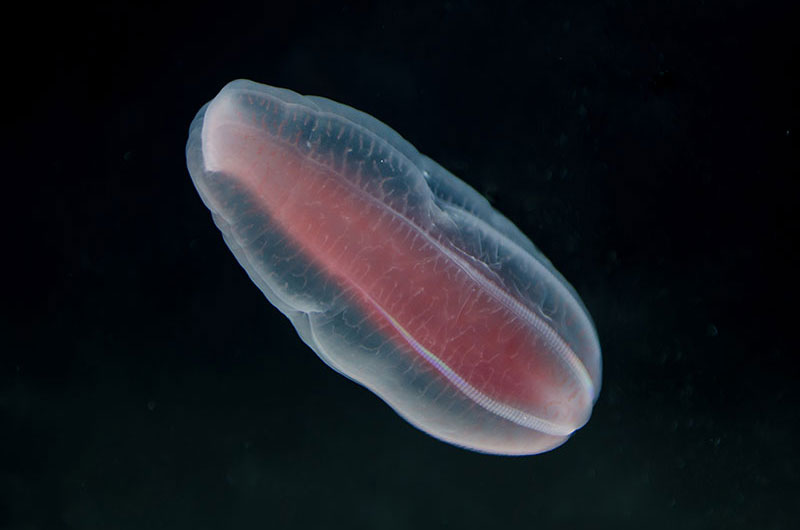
[(395, 272)]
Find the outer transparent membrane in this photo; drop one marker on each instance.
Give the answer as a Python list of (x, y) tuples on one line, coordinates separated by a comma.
[(395, 272)]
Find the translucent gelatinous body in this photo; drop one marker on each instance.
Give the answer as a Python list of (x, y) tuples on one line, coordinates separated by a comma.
[(396, 273)]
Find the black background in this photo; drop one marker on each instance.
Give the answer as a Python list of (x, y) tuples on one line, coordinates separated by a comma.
[(647, 147)]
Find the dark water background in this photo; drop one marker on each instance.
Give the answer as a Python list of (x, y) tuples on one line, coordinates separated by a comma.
[(648, 148)]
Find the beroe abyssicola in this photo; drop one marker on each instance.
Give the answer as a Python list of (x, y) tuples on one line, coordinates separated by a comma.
[(394, 271)]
